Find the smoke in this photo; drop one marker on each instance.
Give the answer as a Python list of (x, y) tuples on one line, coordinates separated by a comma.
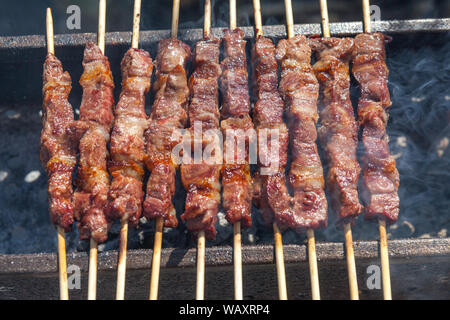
[(418, 130)]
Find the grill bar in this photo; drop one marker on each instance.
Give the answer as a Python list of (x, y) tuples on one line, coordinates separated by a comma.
[(223, 255), (278, 31), (419, 271)]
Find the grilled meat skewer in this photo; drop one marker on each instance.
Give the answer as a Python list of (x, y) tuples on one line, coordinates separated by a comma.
[(268, 116), (168, 114), (58, 148), (94, 127), (201, 180), (380, 175), (299, 89), (235, 122), (127, 166), (338, 131)]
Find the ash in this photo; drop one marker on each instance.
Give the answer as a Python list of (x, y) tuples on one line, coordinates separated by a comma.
[(419, 138)]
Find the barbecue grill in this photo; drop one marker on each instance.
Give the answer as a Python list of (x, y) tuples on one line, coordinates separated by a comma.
[(420, 268)]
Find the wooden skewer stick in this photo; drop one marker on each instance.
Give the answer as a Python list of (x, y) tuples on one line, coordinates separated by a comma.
[(289, 18), (384, 252), (237, 247), (207, 19), (63, 285), (351, 265), (101, 25), (93, 252), (122, 264), (92, 277), (136, 23), (50, 36), (366, 16), (156, 260), (237, 259), (62, 263), (159, 223), (325, 20), (233, 14), (313, 271), (279, 256), (258, 19), (175, 17), (200, 284)]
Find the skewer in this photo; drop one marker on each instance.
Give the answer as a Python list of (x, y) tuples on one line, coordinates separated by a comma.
[(101, 25), (313, 271), (156, 260), (122, 264), (62, 263), (159, 223), (351, 266), (207, 19), (93, 252), (49, 28), (237, 247), (279, 256), (136, 23), (232, 14), (237, 258), (92, 277), (63, 286), (366, 16), (289, 18), (384, 252), (200, 283), (257, 17), (325, 20), (175, 17)]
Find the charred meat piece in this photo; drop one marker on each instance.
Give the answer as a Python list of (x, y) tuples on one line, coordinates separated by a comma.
[(237, 128), (127, 145), (273, 136), (168, 115), (58, 149), (380, 175), (299, 89), (201, 177), (338, 130), (94, 126)]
